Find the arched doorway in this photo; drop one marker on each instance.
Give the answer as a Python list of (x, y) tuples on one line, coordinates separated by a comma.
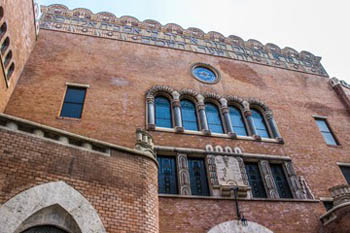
[(235, 226), (51, 204), (44, 229)]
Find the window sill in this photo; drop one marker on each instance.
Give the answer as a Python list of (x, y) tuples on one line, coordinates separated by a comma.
[(335, 146), (241, 199), (218, 135), (68, 118)]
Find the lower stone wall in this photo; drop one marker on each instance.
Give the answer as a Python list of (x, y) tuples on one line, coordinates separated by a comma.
[(199, 215), (121, 187)]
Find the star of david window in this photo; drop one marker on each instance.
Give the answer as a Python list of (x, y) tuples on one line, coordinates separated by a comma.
[(205, 73)]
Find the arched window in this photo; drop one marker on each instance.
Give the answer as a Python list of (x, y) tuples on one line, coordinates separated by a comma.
[(163, 112), (260, 124), (5, 45), (213, 117), (189, 117), (3, 30), (237, 121)]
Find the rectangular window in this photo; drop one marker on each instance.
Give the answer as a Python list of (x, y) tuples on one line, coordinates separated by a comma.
[(198, 177), (346, 172), (167, 182), (281, 181), (326, 132), (73, 102), (255, 180)]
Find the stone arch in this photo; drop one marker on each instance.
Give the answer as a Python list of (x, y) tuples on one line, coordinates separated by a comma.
[(16, 212), (235, 226), (155, 90)]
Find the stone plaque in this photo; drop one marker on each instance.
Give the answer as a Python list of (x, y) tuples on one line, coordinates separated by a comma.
[(228, 171)]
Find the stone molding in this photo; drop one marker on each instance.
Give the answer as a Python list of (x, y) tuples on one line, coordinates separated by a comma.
[(22, 206), (183, 174), (66, 138), (235, 226), (150, 32)]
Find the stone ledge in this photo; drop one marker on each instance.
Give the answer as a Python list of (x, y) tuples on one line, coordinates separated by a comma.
[(65, 138), (232, 198)]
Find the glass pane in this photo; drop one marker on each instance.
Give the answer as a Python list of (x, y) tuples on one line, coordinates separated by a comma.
[(75, 95), (198, 177), (259, 123), (255, 181), (322, 125), (167, 175), (163, 112), (237, 121), (189, 117), (71, 110), (346, 172), (281, 181), (328, 137), (213, 117)]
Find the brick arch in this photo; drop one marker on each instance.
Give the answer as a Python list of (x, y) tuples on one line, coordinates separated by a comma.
[(235, 226), (21, 207)]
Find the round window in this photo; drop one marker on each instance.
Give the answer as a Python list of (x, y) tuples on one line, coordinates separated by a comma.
[(205, 74)]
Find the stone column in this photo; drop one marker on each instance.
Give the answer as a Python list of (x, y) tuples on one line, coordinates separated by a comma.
[(202, 115), (267, 177), (150, 113), (271, 121), (293, 181), (177, 111), (183, 174), (248, 115), (227, 119)]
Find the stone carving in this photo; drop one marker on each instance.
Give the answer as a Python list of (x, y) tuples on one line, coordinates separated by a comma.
[(211, 95), (144, 141), (243, 171), (254, 101), (183, 174), (306, 188), (334, 82), (156, 89), (188, 92), (127, 28), (228, 171), (271, 189)]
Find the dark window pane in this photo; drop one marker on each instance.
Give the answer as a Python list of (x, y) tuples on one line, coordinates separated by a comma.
[(163, 112), (328, 204), (71, 110), (213, 117), (198, 177), (237, 121), (73, 102), (189, 117), (346, 172), (281, 181), (75, 95), (326, 133), (255, 181), (259, 123), (167, 175), (44, 229)]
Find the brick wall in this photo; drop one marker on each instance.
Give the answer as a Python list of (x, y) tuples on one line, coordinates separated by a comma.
[(19, 16), (199, 215), (122, 188)]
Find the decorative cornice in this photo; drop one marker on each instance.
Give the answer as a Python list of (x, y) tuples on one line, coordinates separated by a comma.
[(127, 28)]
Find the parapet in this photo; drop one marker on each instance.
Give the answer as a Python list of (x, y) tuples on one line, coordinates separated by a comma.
[(127, 28)]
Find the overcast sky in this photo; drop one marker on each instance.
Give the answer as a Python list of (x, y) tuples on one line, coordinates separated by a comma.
[(318, 26)]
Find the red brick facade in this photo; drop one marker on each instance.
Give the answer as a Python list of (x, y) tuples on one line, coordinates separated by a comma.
[(123, 187)]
